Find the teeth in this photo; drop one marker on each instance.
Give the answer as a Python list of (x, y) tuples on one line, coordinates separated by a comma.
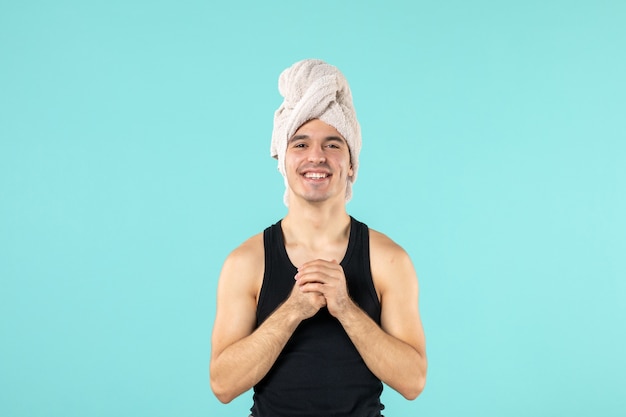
[(315, 175)]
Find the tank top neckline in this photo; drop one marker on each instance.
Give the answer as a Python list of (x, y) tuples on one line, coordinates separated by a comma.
[(346, 257)]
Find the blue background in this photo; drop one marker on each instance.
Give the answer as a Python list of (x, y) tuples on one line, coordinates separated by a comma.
[(134, 156)]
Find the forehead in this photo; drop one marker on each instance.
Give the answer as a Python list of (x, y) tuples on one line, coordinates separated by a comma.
[(317, 129)]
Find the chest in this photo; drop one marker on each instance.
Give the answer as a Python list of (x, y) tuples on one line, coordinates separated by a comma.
[(300, 254)]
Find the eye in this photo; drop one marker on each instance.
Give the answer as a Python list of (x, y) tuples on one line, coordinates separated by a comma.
[(333, 146)]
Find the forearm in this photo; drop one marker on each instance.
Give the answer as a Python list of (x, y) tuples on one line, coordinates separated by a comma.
[(244, 363), (393, 361)]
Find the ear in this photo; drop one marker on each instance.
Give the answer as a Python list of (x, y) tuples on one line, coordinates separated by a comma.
[(350, 171)]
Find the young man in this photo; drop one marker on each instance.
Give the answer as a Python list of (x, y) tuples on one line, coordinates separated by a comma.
[(317, 310)]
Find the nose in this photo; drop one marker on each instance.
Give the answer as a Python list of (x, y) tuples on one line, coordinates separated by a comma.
[(316, 155)]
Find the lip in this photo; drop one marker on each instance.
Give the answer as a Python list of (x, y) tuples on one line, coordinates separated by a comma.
[(309, 169), (316, 175)]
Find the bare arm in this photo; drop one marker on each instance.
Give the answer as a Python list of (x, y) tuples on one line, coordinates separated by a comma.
[(395, 351), (241, 356)]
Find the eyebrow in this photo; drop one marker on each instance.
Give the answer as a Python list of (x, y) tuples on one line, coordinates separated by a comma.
[(327, 138)]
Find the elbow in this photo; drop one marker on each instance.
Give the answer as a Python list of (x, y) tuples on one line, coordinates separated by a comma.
[(220, 389), (223, 397), (222, 394), (414, 387), (413, 390), (417, 383)]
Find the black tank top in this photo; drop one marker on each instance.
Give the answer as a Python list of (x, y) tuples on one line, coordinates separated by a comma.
[(319, 373)]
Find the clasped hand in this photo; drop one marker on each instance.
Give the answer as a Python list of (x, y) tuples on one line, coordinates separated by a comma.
[(321, 283)]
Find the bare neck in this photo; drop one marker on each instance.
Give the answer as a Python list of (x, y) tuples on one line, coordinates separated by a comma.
[(316, 225)]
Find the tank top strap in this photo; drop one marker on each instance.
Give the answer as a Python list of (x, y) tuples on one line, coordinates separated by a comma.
[(358, 272)]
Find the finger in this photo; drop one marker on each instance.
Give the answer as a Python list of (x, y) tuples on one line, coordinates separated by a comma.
[(313, 287), (324, 268), (313, 278), (321, 275), (316, 262)]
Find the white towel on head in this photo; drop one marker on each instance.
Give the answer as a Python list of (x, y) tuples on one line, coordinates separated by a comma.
[(313, 89)]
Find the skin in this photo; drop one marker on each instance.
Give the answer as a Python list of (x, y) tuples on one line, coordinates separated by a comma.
[(316, 231)]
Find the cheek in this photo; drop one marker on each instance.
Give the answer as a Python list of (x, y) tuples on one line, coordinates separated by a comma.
[(348, 166), (291, 165), (289, 160)]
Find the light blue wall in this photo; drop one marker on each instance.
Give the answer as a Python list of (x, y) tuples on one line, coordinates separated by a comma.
[(134, 155)]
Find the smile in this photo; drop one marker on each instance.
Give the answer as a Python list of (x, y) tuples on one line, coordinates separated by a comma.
[(315, 175)]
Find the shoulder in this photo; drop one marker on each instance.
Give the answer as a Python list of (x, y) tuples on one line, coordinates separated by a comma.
[(244, 266), (389, 262), (250, 251), (384, 249)]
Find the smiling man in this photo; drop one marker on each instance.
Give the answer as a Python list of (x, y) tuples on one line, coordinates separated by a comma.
[(318, 311)]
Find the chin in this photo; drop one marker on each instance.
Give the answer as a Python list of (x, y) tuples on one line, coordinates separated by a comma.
[(315, 199), (320, 198)]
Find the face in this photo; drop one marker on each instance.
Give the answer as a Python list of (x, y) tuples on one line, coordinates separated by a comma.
[(317, 163)]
